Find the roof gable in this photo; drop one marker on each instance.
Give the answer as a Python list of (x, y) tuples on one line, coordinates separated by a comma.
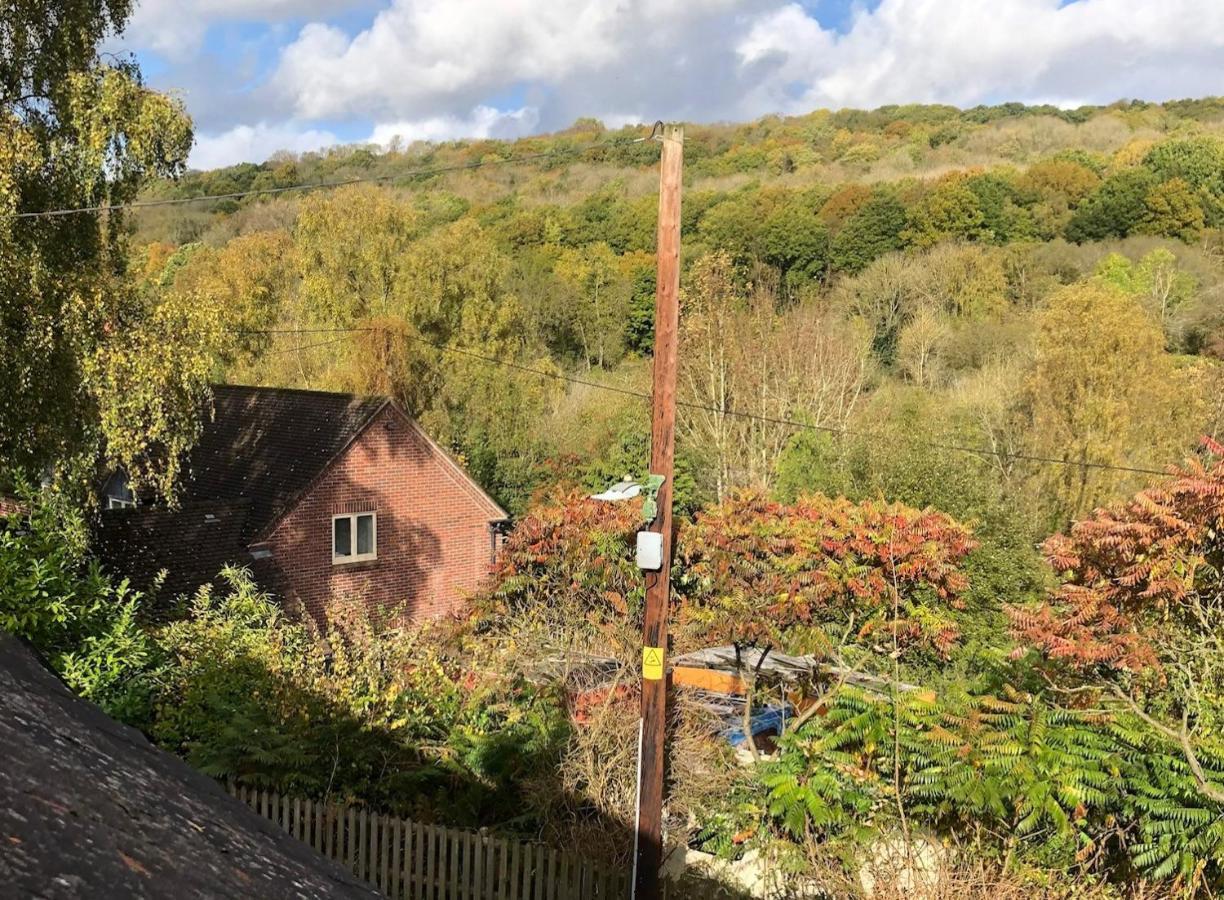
[(267, 445)]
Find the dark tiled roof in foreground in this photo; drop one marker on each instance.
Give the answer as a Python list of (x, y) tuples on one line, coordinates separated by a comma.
[(88, 808), (266, 445)]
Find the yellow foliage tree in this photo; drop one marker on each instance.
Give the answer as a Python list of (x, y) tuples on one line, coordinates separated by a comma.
[(1102, 390)]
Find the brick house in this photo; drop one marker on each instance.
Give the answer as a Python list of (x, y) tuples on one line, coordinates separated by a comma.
[(322, 495)]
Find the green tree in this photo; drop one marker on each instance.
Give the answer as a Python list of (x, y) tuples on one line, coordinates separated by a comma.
[(639, 333), (1198, 161), (78, 131), (597, 306), (872, 231), (795, 240), (1115, 209), (1156, 280), (52, 595)]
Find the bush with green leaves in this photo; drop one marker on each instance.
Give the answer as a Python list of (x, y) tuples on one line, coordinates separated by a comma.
[(56, 598), (246, 693)]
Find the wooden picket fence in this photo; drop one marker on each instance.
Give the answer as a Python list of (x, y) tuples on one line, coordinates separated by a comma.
[(409, 860)]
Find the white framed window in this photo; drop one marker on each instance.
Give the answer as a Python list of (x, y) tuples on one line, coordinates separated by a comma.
[(354, 537), (117, 493)]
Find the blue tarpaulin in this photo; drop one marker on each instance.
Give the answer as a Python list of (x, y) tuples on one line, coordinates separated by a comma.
[(765, 720)]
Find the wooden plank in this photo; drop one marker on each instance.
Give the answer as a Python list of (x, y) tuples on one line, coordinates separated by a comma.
[(397, 858), (534, 891), (382, 859), (350, 838), (527, 882), (369, 838), (384, 853), (431, 863), (453, 840), (472, 845), (477, 883), (550, 873), (489, 891), (373, 838), (503, 869), (418, 854), (363, 843), (463, 884), (517, 881)]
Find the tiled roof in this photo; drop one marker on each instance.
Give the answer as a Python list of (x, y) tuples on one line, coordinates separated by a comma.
[(192, 543), (261, 450), (266, 445), (89, 808)]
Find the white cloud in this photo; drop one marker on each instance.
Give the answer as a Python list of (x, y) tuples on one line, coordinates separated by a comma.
[(175, 28), (247, 143), (715, 58), (482, 122), (441, 69), (966, 52), (419, 55)]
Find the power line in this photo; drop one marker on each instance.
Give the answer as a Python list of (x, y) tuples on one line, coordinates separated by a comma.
[(305, 347), (322, 185), (735, 413)]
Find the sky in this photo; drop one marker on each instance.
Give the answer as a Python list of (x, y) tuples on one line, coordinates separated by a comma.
[(260, 76)]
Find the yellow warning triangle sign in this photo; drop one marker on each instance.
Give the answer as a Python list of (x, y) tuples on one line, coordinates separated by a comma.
[(652, 663)]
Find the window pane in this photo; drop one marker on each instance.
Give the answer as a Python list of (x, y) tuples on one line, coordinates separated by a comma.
[(344, 536), (365, 535)]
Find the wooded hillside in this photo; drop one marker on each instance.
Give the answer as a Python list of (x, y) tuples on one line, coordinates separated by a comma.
[(949, 419), (896, 279)]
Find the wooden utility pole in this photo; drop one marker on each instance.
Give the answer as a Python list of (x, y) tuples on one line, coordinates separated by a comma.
[(662, 449)]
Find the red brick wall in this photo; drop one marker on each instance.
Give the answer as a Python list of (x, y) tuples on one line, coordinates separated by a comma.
[(433, 528)]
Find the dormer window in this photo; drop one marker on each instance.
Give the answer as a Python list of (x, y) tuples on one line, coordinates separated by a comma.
[(117, 494), (354, 537)]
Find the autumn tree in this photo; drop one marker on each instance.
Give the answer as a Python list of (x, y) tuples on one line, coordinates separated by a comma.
[(77, 130), (1173, 209), (252, 277), (950, 210), (743, 364), (1138, 617), (832, 578), (1102, 391)]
